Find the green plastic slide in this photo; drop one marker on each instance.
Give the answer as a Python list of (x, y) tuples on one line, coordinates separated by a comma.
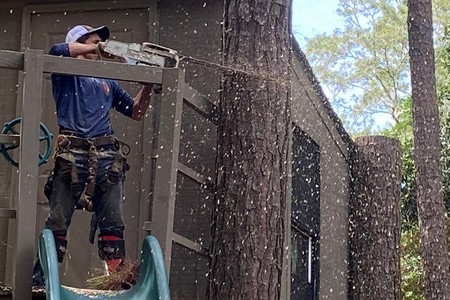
[(151, 283)]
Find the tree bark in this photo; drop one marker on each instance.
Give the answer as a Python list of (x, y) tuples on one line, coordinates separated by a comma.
[(248, 228), (427, 152), (375, 219)]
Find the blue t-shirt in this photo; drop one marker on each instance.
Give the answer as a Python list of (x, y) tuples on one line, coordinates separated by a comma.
[(83, 103)]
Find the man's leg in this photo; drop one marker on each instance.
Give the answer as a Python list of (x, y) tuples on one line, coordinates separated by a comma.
[(62, 206), (109, 210)]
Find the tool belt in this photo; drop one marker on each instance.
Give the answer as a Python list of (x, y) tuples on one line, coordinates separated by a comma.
[(85, 143), (66, 163), (96, 142)]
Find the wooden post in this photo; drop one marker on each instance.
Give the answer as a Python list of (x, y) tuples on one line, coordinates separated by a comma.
[(375, 219), (166, 169), (28, 174)]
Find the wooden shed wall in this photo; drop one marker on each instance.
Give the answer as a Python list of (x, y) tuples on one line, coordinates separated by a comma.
[(194, 29), (310, 114)]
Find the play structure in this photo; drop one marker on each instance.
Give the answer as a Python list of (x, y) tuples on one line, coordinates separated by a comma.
[(152, 279), (26, 143), (151, 284)]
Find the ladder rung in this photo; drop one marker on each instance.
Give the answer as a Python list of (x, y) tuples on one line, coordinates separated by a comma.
[(7, 213)]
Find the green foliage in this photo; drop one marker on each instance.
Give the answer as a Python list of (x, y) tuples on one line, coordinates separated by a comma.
[(410, 262), (365, 65)]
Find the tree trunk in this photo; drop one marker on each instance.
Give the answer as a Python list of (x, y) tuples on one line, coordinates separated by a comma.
[(427, 152), (248, 227), (375, 219)]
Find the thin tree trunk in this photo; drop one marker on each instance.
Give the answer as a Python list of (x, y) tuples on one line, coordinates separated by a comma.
[(427, 152), (375, 219), (248, 228)]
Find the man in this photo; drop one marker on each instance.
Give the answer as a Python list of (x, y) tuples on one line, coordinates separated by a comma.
[(90, 163)]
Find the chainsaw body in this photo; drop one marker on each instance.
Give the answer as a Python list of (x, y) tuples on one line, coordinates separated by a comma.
[(147, 53)]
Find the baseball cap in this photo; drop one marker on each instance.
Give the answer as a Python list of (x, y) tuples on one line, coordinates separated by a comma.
[(81, 30)]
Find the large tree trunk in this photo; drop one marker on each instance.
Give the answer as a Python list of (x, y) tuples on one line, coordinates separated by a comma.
[(427, 152), (248, 228), (375, 219)]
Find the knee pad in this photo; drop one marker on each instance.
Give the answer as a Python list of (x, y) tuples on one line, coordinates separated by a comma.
[(112, 230)]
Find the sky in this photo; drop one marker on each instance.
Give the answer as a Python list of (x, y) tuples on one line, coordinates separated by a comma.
[(312, 17)]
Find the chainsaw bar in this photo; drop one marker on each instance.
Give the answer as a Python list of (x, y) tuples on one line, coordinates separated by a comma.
[(147, 53)]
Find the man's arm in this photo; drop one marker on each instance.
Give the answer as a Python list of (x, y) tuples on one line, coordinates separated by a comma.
[(77, 49), (141, 102)]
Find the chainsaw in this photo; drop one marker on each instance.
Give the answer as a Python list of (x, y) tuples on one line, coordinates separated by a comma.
[(147, 54), (151, 54)]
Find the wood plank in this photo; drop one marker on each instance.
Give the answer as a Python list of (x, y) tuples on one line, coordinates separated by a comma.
[(10, 139), (28, 174), (7, 213), (93, 5), (195, 176), (73, 66), (168, 141), (104, 69), (200, 103), (11, 60), (190, 244)]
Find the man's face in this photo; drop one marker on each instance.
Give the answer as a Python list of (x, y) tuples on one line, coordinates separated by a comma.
[(92, 39)]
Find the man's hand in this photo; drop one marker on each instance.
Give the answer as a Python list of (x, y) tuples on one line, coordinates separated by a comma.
[(100, 50), (157, 89), (101, 46)]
